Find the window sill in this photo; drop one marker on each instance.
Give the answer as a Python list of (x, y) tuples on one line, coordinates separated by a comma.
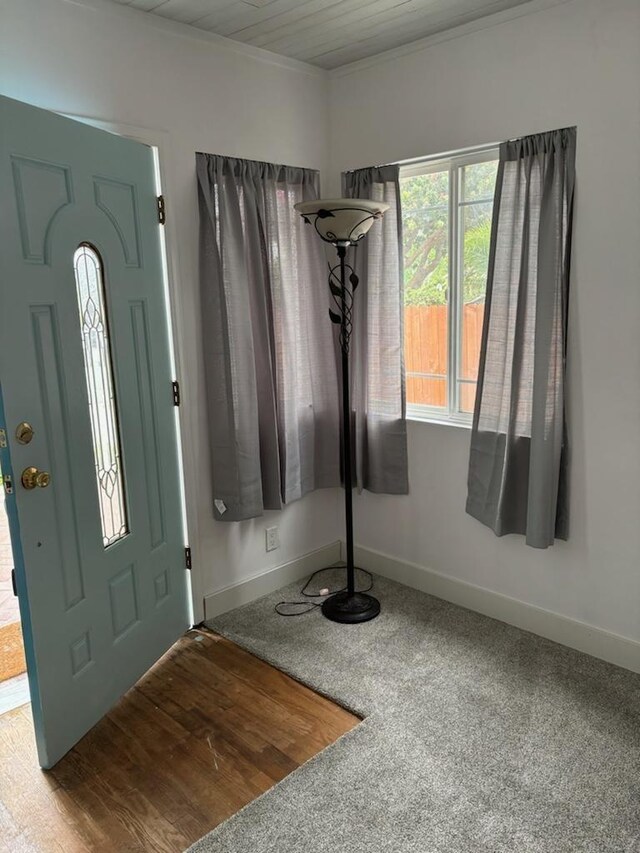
[(460, 423)]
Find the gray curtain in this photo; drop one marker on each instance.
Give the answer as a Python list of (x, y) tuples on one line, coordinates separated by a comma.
[(377, 361), (271, 380), (518, 463)]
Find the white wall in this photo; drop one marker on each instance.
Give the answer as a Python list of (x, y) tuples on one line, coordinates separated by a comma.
[(193, 93), (577, 63)]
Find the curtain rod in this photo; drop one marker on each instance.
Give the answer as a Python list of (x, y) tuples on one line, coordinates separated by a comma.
[(472, 149), (256, 162)]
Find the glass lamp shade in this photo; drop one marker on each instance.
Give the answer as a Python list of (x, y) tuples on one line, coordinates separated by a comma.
[(341, 220)]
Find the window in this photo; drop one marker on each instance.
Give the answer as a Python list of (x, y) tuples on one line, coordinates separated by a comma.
[(102, 403), (446, 216)]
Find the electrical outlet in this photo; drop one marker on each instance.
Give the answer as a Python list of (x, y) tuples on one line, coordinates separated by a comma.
[(272, 538)]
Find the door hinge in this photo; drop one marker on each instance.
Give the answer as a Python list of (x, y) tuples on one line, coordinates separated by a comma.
[(176, 393), (3, 438), (13, 582), (187, 558), (8, 484), (162, 211)]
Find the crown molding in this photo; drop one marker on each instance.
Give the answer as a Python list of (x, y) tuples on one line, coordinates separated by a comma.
[(176, 28), (533, 7)]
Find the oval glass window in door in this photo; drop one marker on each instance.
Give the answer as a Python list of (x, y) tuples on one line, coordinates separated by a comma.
[(103, 408)]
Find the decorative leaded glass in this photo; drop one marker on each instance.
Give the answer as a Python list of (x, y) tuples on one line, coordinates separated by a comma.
[(102, 403)]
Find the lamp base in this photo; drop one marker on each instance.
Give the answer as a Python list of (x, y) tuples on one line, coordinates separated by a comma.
[(350, 609)]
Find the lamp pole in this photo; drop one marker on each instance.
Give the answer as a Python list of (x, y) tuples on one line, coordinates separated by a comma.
[(343, 223), (347, 606), (345, 335)]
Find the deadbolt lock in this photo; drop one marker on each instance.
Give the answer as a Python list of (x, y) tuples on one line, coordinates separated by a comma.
[(24, 432), (33, 478)]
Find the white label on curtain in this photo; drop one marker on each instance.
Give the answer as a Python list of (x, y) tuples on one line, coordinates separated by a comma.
[(220, 506)]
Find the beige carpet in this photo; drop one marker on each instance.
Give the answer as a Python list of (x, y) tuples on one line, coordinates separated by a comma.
[(12, 660), (477, 737)]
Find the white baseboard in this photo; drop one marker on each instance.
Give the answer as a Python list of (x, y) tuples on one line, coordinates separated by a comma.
[(613, 648), (234, 596)]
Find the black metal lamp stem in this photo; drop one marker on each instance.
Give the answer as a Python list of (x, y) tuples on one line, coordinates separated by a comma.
[(348, 606), (346, 432)]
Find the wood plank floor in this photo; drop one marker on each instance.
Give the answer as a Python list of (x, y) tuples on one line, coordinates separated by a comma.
[(204, 732)]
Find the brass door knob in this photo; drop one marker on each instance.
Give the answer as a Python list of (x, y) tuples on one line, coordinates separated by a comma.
[(33, 478)]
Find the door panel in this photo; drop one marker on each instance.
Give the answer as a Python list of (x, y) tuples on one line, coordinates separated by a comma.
[(95, 617)]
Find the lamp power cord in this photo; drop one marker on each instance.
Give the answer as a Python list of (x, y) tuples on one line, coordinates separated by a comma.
[(308, 605)]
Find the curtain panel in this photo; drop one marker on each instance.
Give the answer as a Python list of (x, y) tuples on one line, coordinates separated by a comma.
[(517, 479), (377, 369), (270, 373)]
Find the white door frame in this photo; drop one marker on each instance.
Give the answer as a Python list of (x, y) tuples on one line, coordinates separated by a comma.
[(160, 141)]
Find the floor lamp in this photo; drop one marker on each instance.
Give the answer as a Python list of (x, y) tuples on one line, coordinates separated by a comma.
[(343, 222)]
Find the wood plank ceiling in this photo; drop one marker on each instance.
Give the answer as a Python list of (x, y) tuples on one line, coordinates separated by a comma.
[(326, 33)]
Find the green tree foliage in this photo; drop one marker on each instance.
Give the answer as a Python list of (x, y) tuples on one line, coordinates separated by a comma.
[(425, 216)]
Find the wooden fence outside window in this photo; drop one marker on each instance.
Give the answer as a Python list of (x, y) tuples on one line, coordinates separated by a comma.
[(425, 336)]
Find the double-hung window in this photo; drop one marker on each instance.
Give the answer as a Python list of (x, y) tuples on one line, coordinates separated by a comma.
[(447, 206)]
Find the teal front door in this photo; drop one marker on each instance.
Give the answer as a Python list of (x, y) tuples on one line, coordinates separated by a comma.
[(88, 416)]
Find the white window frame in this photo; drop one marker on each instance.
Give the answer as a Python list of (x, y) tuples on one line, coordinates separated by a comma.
[(452, 162)]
